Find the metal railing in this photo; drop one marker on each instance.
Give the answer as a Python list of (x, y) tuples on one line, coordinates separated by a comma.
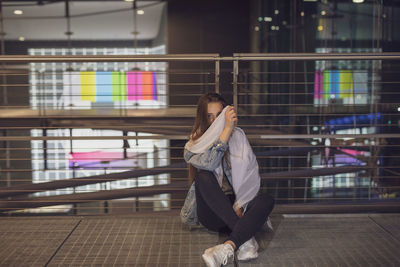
[(318, 151)]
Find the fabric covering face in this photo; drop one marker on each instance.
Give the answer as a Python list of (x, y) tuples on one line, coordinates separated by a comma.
[(245, 173)]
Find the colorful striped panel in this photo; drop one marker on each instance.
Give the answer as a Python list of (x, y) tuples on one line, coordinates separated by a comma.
[(133, 84), (346, 84), (118, 86), (139, 85), (103, 87), (326, 86), (147, 85), (113, 86), (318, 85), (154, 86), (335, 84), (88, 86)]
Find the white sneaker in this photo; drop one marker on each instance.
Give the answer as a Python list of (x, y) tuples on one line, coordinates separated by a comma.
[(248, 250), (217, 255)]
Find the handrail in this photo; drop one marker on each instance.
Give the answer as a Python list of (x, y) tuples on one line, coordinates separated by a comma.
[(7, 205), (306, 208), (184, 137), (175, 186), (107, 58), (202, 57), (316, 56), (337, 207), (87, 180), (40, 187)]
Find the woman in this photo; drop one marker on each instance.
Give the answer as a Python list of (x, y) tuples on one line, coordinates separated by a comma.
[(227, 182)]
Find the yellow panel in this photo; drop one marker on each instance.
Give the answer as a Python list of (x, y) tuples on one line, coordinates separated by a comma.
[(88, 86)]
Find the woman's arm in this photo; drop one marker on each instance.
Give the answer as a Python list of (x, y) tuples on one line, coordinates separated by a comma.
[(230, 121), (209, 159)]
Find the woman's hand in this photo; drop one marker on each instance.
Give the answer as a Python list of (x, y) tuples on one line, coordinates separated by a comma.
[(230, 121), (230, 117), (239, 212)]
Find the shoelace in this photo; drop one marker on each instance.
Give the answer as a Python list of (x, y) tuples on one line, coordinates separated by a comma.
[(228, 254)]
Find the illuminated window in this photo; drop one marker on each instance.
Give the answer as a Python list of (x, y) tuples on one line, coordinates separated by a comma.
[(109, 85)]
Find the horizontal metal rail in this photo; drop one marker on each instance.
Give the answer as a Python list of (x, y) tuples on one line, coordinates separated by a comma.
[(307, 173), (316, 188), (136, 113), (334, 207), (142, 120), (105, 58), (40, 187), (202, 57), (321, 208), (314, 56), (185, 137), (53, 185), (88, 197)]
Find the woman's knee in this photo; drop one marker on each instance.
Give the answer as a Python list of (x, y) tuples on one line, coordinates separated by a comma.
[(267, 200)]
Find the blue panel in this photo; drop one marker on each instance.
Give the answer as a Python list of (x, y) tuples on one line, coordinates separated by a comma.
[(335, 82), (104, 86)]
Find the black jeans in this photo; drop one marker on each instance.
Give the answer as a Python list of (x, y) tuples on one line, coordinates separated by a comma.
[(215, 211)]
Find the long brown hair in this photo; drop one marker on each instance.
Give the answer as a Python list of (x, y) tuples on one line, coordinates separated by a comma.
[(201, 122)]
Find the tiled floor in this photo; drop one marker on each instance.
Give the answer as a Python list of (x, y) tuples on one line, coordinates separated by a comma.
[(153, 240)]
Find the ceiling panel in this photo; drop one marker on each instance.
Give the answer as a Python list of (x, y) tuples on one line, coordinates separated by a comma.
[(47, 22)]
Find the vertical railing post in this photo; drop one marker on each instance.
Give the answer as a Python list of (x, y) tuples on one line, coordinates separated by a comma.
[(217, 70), (235, 83)]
